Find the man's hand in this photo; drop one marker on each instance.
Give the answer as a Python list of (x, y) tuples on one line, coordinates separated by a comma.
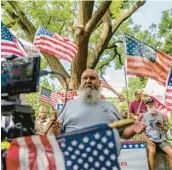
[(164, 128), (139, 125), (55, 128)]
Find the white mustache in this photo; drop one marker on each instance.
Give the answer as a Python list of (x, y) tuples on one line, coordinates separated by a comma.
[(89, 85)]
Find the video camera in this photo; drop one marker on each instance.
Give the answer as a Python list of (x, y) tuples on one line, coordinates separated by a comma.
[(18, 76)]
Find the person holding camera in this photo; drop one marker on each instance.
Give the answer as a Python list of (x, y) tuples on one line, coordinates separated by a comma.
[(154, 134)]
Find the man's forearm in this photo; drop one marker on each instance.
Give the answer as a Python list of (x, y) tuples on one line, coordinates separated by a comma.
[(145, 138), (128, 132)]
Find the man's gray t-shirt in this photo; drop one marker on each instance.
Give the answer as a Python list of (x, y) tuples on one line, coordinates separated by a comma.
[(153, 132), (78, 115)]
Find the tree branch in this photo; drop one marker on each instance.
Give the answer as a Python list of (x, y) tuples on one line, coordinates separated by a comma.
[(114, 45), (127, 15), (85, 11), (107, 61), (97, 16), (22, 18), (17, 20), (104, 38), (62, 27)]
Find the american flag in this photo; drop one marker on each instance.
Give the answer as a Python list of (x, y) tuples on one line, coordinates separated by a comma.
[(10, 44), (168, 95), (91, 148), (55, 44), (104, 84), (143, 60), (49, 97), (163, 108)]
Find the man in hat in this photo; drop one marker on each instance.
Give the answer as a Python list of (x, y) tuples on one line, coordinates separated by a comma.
[(154, 134)]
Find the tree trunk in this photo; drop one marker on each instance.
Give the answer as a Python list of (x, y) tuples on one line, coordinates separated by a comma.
[(80, 62)]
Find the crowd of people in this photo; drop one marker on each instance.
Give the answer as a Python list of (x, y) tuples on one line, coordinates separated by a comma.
[(88, 110)]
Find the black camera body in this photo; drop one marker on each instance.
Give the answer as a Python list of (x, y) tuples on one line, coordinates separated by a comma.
[(18, 76)]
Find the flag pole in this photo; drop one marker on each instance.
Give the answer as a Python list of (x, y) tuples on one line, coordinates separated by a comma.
[(125, 75)]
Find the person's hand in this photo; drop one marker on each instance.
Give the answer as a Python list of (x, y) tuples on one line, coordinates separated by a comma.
[(164, 128), (139, 125), (132, 116), (55, 128)]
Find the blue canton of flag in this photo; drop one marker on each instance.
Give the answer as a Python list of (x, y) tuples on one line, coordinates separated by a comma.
[(10, 44), (42, 30), (92, 148), (168, 95), (137, 48)]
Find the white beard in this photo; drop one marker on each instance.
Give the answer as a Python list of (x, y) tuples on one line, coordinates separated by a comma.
[(152, 111), (89, 95)]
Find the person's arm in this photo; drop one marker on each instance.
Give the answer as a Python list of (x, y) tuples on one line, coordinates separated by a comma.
[(136, 128), (146, 139), (131, 108), (164, 126)]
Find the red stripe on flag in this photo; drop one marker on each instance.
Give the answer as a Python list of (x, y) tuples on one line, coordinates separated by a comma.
[(55, 46), (12, 157), (142, 67), (169, 90), (49, 152), (46, 50), (32, 153)]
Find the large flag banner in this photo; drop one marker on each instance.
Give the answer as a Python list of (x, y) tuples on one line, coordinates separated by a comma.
[(143, 60), (133, 156), (86, 149), (55, 44), (49, 97), (168, 94), (10, 45)]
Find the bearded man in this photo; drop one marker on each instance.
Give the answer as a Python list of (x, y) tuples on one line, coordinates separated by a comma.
[(154, 134), (89, 110)]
